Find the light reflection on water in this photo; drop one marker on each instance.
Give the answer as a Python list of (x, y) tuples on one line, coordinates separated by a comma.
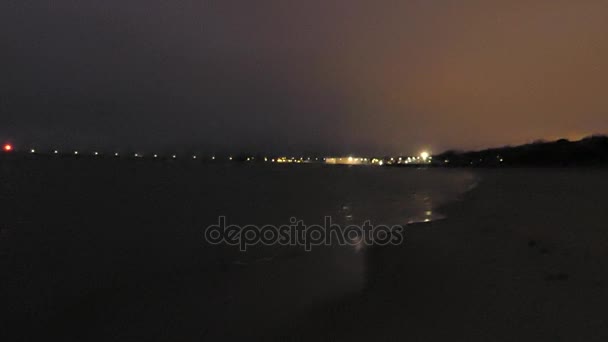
[(146, 252), (350, 196)]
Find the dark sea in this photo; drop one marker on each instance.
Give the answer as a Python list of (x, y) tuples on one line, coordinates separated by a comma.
[(98, 250)]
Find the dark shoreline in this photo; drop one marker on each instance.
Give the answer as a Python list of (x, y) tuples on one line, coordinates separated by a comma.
[(490, 272)]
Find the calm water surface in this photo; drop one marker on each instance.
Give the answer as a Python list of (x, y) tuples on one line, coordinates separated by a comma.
[(91, 249)]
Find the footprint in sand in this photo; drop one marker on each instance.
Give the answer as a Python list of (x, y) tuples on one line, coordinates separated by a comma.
[(534, 243), (557, 277)]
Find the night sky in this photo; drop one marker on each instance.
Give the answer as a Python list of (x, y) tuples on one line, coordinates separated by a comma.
[(332, 76)]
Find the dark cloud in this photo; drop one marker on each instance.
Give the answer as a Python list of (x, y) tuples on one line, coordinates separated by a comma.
[(331, 75)]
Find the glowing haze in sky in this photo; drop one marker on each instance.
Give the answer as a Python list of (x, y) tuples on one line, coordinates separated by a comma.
[(348, 76)]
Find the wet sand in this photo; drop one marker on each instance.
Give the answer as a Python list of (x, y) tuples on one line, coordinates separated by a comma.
[(523, 257)]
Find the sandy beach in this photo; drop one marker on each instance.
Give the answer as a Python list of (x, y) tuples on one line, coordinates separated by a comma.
[(521, 258)]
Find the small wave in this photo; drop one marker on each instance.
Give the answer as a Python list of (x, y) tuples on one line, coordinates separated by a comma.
[(434, 216)]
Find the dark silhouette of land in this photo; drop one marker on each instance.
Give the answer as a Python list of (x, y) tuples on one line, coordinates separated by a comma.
[(590, 151)]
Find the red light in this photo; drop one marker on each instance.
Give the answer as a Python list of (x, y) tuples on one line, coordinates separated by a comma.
[(8, 148)]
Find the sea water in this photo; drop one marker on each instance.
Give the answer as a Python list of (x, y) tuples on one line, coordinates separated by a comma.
[(98, 248)]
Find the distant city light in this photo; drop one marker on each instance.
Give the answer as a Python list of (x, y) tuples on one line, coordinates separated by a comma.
[(422, 158)]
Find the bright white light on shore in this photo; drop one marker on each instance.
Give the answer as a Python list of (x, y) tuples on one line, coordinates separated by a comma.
[(424, 155), (96, 153), (213, 158), (229, 158), (174, 156), (380, 163), (75, 152), (33, 151), (116, 154), (350, 159), (193, 157), (55, 152)]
